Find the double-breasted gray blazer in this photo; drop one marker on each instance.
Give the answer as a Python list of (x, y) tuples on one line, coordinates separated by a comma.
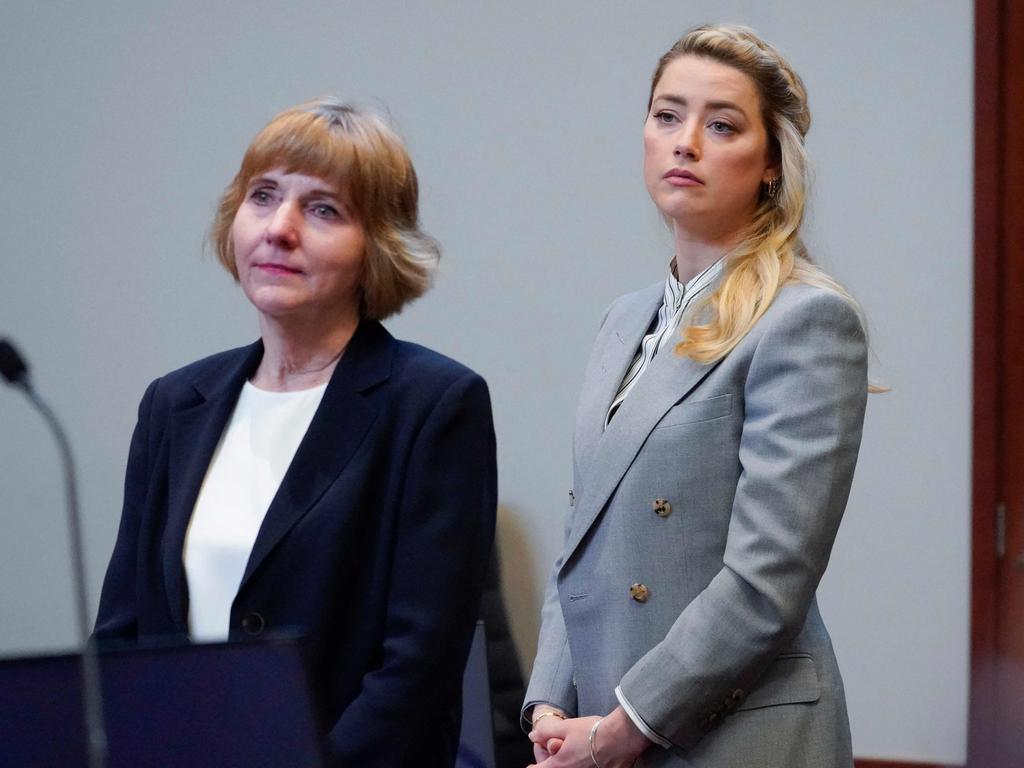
[(700, 523)]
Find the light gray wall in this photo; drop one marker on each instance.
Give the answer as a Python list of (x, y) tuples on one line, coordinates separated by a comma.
[(123, 121)]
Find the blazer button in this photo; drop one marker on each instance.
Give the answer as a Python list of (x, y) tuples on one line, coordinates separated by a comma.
[(253, 623), (662, 507), (639, 592)]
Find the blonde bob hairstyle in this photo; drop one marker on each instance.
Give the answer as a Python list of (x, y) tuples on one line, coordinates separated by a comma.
[(770, 252), (356, 151)]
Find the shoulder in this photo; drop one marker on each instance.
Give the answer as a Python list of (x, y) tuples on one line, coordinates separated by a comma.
[(422, 377), (800, 305), (413, 359), (807, 327), (795, 294), (218, 363), (427, 386), (211, 368), (205, 374)]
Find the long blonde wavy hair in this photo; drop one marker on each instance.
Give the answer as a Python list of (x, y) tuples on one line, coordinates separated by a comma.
[(770, 252)]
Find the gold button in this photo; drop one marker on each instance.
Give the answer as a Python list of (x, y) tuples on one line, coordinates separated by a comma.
[(639, 592), (662, 507)]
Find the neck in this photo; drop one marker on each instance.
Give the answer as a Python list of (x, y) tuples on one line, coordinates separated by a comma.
[(301, 355), (693, 257), (700, 244)]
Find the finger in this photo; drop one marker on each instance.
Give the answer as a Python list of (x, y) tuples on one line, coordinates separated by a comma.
[(548, 728), (553, 745), (539, 753)]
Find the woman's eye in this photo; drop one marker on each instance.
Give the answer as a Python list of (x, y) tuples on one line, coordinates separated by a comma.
[(720, 127), (325, 211), (664, 117), (260, 196)]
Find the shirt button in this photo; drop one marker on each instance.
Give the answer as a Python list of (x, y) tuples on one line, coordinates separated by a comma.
[(253, 623), (639, 592), (662, 507)]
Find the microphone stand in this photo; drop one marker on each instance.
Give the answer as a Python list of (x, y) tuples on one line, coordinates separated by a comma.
[(15, 371)]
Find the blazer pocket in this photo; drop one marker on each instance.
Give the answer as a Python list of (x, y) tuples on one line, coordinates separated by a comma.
[(691, 411), (791, 679)]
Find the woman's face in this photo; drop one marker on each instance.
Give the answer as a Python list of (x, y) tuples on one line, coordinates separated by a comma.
[(299, 249), (706, 148)]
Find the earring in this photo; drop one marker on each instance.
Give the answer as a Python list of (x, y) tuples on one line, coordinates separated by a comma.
[(771, 188)]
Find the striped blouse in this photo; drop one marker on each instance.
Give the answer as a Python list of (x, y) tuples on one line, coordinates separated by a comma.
[(677, 299)]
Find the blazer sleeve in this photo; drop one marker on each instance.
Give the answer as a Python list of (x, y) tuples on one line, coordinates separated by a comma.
[(805, 394), (551, 681), (118, 618), (446, 531)]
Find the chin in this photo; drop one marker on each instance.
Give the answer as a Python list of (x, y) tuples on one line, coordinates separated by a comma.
[(683, 214), (273, 302)]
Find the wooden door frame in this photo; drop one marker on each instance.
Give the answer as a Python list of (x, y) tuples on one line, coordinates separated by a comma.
[(991, 204)]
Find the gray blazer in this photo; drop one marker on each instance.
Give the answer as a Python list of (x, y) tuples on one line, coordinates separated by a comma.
[(699, 525)]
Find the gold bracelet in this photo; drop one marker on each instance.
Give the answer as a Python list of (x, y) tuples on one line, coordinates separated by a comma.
[(542, 715)]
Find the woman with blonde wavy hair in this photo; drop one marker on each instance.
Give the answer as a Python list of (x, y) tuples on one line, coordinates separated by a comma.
[(716, 438), (327, 479)]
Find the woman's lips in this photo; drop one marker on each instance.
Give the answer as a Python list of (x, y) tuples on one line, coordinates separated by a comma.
[(680, 178), (277, 269)]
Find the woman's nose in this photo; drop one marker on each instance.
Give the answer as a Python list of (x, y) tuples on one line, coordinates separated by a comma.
[(688, 141), (282, 229)]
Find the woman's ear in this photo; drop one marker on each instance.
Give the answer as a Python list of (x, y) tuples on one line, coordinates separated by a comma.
[(772, 162)]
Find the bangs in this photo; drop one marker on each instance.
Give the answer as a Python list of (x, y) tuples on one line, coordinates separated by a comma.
[(304, 142), (361, 156)]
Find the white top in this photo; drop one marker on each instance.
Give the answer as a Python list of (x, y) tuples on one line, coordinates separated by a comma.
[(251, 459)]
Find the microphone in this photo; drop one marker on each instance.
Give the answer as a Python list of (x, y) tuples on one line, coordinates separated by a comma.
[(12, 366), (15, 371)]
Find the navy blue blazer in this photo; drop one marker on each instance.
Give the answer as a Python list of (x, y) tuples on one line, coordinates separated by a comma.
[(375, 545)]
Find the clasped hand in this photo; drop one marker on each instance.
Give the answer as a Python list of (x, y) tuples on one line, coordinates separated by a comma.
[(559, 743)]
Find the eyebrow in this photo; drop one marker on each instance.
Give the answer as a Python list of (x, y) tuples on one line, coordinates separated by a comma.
[(718, 104), (315, 192)]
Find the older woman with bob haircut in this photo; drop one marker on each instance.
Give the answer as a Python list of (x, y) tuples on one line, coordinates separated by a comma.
[(716, 438), (328, 478)]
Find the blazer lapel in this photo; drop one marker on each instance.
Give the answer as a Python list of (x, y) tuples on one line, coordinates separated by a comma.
[(668, 379), (194, 433), (612, 357), (338, 428)]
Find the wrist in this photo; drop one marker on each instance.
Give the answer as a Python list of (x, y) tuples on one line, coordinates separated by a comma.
[(533, 714), (538, 716), (540, 709), (620, 729)]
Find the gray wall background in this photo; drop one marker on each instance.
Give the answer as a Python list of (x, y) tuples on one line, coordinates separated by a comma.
[(124, 120)]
